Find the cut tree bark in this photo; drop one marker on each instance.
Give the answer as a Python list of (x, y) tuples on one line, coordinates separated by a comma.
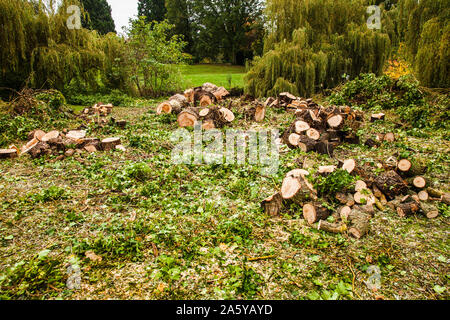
[(391, 184), (273, 204), (314, 212), (109, 143)]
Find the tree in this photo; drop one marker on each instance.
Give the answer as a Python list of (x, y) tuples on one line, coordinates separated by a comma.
[(153, 57), (153, 10), (226, 27), (313, 44), (178, 14), (100, 18)]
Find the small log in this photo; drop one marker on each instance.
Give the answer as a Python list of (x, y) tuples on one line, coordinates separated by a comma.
[(189, 94), (419, 182), (298, 189), (49, 136), (286, 97), (349, 165), (8, 153), (429, 210), (435, 193), (260, 113), (36, 134), (344, 212), (293, 140), (446, 198), (332, 227), (314, 212), (325, 170), (76, 134), (227, 114), (362, 198), (220, 93), (408, 208), (306, 144), (208, 124), (205, 101), (109, 143), (361, 185), (297, 173), (360, 224), (389, 137), (91, 148), (377, 117), (273, 204)]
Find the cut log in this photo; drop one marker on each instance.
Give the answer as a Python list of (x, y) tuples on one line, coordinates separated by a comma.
[(313, 134), (361, 185), (189, 94), (301, 126), (109, 143), (273, 204), (208, 124), (293, 140), (297, 173), (260, 113), (181, 99), (286, 97), (349, 165), (187, 118), (227, 114), (167, 107), (429, 210), (336, 122), (221, 93), (363, 197), (389, 137), (49, 136), (325, 170), (76, 134), (314, 212), (407, 209), (419, 182), (205, 101), (36, 134), (404, 165), (360, 224), (377, 117), (298, 189), (435, 193), (204, 112), (391, 184), (332, 227), (344, 212), (91, 148), (8, 153), (210, 87), (446, 198), (306, 144)]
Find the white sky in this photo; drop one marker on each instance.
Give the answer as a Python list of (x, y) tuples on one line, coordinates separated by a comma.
[(122, 10)]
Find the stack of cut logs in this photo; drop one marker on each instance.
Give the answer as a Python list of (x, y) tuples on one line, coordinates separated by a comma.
[(98, 114), (61, 144), (99, 109), (317, 128), (355, 208), (199, 104)]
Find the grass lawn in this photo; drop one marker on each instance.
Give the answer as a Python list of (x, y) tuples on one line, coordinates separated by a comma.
[(219, 74)]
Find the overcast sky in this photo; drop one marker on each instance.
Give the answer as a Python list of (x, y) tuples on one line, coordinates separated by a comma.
[(122, 10)]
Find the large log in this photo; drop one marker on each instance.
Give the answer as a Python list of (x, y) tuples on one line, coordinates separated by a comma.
[(332, 227), (391, 184), (298, 189)]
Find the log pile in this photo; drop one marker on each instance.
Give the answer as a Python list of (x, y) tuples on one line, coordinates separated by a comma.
[(317, 128), (101, 109), (355, 208), (60, 144)]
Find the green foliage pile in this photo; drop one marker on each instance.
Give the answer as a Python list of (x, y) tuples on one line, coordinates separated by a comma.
[(338, 181), (30, 279), (312, 44), (31, 110), (404, 95)]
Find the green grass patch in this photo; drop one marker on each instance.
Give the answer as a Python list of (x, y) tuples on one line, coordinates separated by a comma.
[(224, 75)]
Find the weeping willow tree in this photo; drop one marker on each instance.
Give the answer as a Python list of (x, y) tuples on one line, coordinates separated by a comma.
[(37, 45), (424, 26), (312, 44)]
